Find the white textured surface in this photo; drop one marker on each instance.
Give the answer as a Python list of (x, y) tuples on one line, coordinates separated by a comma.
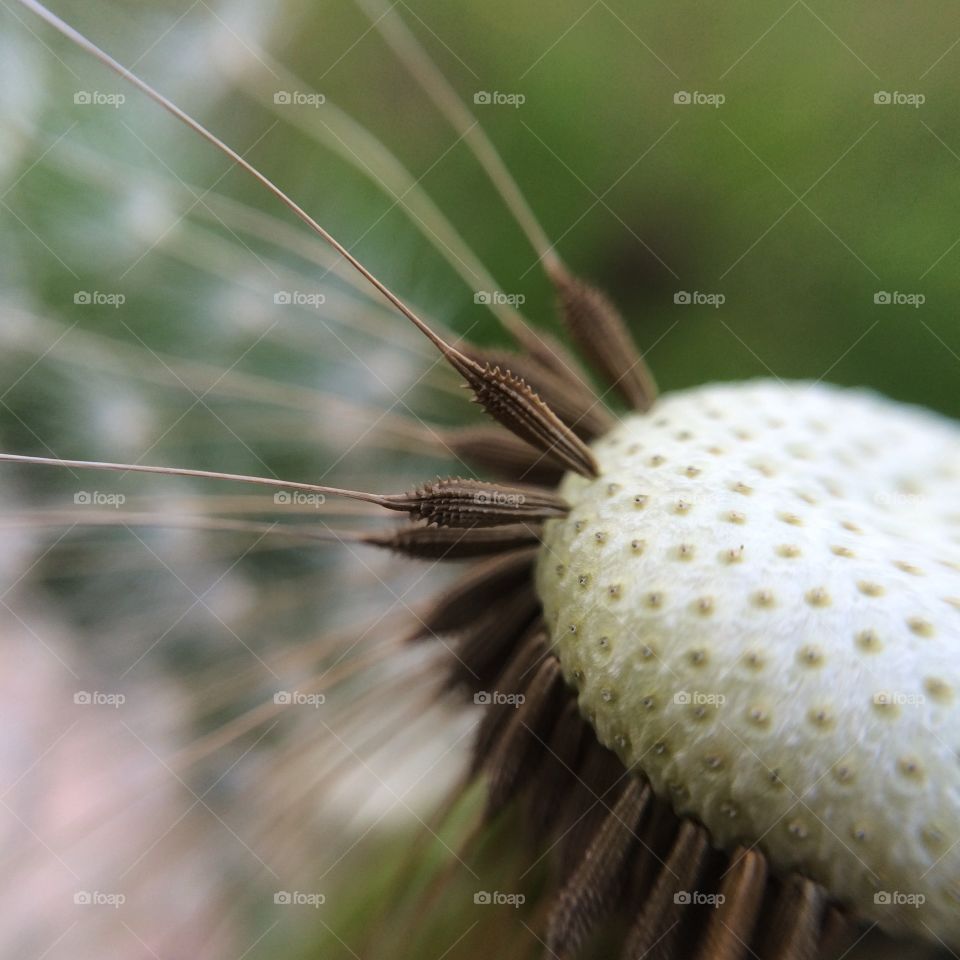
[(757, 569)]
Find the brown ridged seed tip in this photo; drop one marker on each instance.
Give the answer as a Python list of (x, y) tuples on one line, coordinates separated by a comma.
[(454, 502), (511, 402), (598, 330), (567, 394)]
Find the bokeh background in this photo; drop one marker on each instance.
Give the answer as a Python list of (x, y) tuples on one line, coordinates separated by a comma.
[(808, 193)]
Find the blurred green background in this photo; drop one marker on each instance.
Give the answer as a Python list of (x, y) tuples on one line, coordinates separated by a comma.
[(799, 199)]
